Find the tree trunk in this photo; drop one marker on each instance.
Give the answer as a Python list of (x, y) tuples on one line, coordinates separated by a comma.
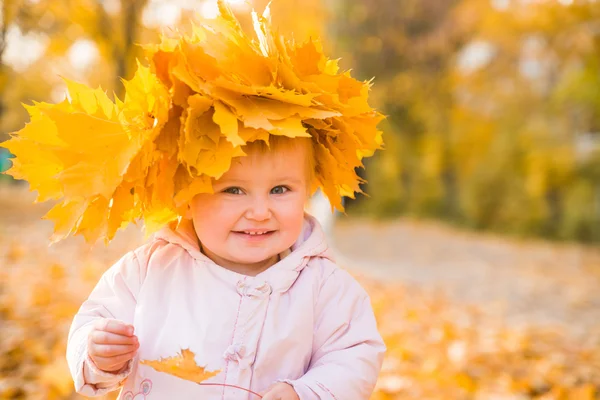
[(3, 71), (132, 11)]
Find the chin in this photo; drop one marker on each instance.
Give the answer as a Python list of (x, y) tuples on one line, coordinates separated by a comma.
[(254, 258)]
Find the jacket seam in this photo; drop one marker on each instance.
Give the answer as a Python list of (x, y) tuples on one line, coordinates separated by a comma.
[(231, 343), (262, 328)]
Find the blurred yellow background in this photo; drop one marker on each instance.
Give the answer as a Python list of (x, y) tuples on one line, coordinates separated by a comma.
[(493, 124)]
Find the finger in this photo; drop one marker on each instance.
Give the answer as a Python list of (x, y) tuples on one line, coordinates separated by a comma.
[(111, 350), (115, 326), (104, 337), (271, 395), (107, 363)]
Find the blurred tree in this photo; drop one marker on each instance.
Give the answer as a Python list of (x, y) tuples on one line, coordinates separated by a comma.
[(493, 111), (535, 93), (408, 46)]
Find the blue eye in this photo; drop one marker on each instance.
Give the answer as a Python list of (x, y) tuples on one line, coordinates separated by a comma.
[(233, 190), (279, 190)]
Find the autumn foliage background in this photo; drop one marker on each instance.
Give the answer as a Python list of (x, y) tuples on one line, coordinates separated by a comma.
[(493, 117)]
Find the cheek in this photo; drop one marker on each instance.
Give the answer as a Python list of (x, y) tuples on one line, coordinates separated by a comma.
[(211, 216), (291, 213)]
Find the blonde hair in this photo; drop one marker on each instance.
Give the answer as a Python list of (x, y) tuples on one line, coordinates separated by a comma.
[(277, 144)]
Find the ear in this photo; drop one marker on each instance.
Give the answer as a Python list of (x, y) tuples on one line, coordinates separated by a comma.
[(146, 386), (128, 396)]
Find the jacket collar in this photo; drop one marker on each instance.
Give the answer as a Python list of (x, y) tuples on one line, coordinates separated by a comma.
[(310, 244)]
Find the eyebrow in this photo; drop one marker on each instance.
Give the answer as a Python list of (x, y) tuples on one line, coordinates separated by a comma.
[(289, 179)]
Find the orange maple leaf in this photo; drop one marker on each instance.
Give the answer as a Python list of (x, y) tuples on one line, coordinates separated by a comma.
[(182, 366)]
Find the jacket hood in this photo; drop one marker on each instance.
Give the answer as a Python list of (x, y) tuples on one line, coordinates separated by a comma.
[(310, 244)]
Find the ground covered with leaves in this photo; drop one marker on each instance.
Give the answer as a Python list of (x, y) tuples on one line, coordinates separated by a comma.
[(440, 346)]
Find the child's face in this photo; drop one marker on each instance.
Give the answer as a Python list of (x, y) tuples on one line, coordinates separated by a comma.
[(256, 211)]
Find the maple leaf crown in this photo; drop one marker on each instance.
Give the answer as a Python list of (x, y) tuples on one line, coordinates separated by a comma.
[(204, 96)]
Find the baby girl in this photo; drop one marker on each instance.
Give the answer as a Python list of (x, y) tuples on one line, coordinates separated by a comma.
[(248, 284)]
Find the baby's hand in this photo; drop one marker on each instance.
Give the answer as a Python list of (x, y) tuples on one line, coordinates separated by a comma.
[(111, 344), (281, 391)]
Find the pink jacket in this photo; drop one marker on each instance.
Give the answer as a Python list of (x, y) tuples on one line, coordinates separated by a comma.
[(303, 321)]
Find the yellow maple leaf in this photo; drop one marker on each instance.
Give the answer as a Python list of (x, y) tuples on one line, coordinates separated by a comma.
[(182, 366)]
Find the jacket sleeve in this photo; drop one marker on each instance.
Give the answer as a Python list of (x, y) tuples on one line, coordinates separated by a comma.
[(348, 349), (113, 297)]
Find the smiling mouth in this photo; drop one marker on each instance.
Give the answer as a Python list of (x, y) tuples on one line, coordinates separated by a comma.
[(254, 233)]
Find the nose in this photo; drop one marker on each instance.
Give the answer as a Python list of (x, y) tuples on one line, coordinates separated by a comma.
[(259, 209)]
